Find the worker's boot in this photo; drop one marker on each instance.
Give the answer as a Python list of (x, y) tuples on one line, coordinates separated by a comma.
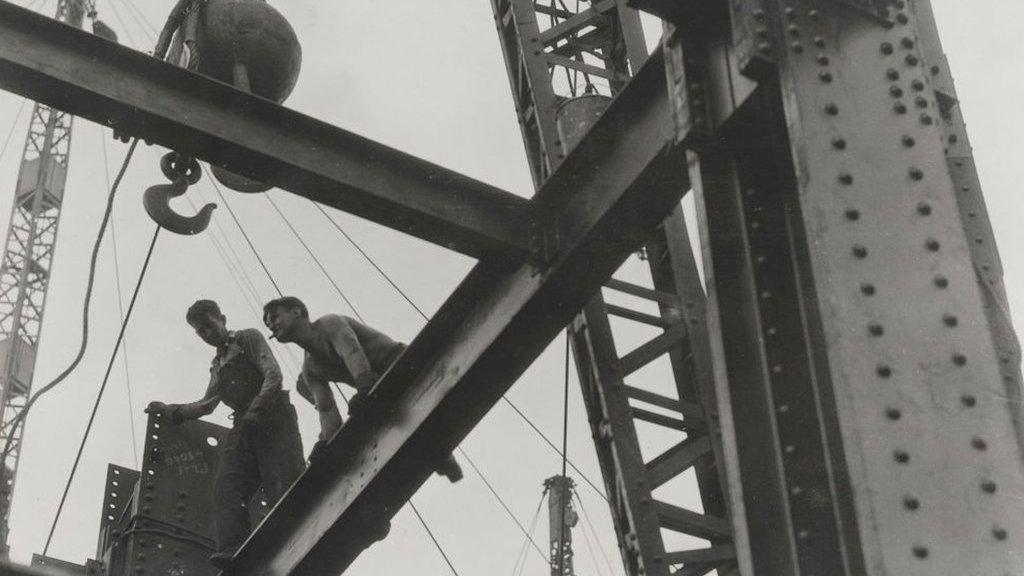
[(450, 469)]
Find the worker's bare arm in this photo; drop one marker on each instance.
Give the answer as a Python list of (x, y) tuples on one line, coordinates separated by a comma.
[(303, 389), (180, 412), (326, 407)]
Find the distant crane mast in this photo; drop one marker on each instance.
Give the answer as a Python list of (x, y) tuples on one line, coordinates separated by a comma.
[(562, 518), (25, 269)]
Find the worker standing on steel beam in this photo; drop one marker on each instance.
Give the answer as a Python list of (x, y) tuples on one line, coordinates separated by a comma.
[(337, 349), (263, 447)]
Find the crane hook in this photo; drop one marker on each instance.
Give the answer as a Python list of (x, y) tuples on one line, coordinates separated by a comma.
[(157, 201)]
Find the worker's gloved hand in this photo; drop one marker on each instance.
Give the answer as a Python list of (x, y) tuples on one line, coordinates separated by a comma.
[(361, 402), (366, 380), (170, 412), (250, 421)]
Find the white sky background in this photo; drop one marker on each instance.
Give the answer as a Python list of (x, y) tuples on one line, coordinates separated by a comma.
[(427, 78)]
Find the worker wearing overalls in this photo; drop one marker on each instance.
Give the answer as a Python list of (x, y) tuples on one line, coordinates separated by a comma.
[(263, 447)]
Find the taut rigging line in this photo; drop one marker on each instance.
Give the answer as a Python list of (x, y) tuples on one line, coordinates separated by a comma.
[(103, 386)]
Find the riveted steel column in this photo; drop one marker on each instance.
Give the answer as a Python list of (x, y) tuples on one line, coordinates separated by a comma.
[(864, 404), (970, 201)]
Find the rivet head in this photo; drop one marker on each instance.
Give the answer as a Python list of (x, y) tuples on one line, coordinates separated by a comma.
[(932, 245), (911, 503), (846, 178), (920, 552), (907, 42), (900, 108), (911, 60), (924, 209), (915, 173), (892, 74), (832, 109), (893, 413), (926, 119), (825, 77), (819, 42), (908, 141), (860, 251), (852, 214), (822, 59), (917, 85), (886, 48), (989, 487), (797, 47), (839, 143)]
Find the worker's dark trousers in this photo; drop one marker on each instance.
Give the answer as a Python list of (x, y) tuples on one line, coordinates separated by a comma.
[(269, 454)]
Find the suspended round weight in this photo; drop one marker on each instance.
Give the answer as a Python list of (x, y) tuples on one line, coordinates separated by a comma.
[(238, 183), (250, 45), (251, 37)]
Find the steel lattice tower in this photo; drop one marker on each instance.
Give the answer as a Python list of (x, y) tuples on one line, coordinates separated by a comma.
[(25, 271)]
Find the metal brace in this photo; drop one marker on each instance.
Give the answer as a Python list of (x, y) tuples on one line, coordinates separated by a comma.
[(544, 244), (879, 10)]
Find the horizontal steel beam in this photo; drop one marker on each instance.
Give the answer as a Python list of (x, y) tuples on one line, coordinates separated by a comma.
[(10, 569), (83, 74), (605, 200)]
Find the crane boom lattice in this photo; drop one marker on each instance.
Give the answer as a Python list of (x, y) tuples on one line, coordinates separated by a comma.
[(25, 272)]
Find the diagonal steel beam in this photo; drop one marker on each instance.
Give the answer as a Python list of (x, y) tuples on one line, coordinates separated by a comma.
[(73, 70), (605, 200)]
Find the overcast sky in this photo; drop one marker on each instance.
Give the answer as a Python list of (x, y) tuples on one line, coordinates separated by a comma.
[(427, 78)]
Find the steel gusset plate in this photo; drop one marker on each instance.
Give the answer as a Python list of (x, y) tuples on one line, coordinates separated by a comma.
[(178, 474)]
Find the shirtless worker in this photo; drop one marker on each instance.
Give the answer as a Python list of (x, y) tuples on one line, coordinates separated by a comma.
[(263, 447), (337, 349)]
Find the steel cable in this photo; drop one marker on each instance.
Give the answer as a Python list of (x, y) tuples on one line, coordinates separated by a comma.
[(103, 386), (593, 531), (521, 556), (565, 450), (423, 315), (14, 125), (313, 256), (242, 230), (120, 303), (17, 420)]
